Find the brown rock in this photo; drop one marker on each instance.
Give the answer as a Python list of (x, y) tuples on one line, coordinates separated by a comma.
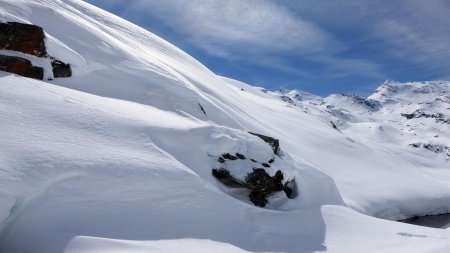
[(25, 38), (20, 66)]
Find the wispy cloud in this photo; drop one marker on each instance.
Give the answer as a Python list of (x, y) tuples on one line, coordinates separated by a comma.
[(255, 25), (412, 32), (340, 38), (258, 31)]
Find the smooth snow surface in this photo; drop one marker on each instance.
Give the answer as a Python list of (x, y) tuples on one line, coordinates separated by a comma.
[(118, 157)]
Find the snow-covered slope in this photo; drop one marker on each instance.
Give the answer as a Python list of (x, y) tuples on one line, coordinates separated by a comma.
[(416, 115), (118, 158)]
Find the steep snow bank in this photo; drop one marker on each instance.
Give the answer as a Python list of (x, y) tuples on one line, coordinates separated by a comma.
[(124, 149), (78, 164)]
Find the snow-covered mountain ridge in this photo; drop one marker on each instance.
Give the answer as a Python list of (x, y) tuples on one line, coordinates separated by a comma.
[(416, 112), (119, 157)]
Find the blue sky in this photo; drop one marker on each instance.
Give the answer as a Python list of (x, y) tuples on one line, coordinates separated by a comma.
[(319, 46)]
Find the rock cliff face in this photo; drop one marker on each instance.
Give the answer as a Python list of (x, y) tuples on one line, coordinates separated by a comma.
[(20, 66), (25, 38), (29, 40)]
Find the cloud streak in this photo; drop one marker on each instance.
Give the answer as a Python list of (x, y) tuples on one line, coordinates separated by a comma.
[(340, 38), (256, 24)]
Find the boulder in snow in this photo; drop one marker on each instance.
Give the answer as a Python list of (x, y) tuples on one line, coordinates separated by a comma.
[(61, 69), (20, 66), (25, 38), (259, 182)]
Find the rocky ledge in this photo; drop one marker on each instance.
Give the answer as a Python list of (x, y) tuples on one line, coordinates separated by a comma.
[(27, 39), (20, 66)]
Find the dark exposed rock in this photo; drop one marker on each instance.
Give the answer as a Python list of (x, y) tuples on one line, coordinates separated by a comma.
[(333, 125), (278, 177), (25, 38), (229, 156), (263, 185), (221, 173), (29, 39), (260, 180), (439, 117), (61, 69), (287, 191), (369, 103), (408, 115), (433, 147), (288, 100), (227, 179), (290, 188), (240, 156), (274, 143), (260, 184), (20, 66), (258, 198), (202, 109)]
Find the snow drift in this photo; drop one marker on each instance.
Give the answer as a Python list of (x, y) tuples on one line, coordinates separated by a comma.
[(118, 157)]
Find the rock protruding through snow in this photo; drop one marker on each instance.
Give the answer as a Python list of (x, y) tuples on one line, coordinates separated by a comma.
[(260, 184), (61, 69), (274, 143), (258, 168), (29, 40), (20, 66), (25, 38)]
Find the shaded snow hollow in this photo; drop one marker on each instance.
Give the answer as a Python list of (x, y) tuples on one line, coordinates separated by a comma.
[(118, 157)]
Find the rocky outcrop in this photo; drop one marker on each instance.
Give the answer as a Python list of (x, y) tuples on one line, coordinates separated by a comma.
[(259, 182), (333, 125), (229, 156), (224, 176), (433, 147), (20, 66), (262, 185), (61, 69), (274, 143), (439, 117), (27, 39), (288, 100), (369, 103)]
